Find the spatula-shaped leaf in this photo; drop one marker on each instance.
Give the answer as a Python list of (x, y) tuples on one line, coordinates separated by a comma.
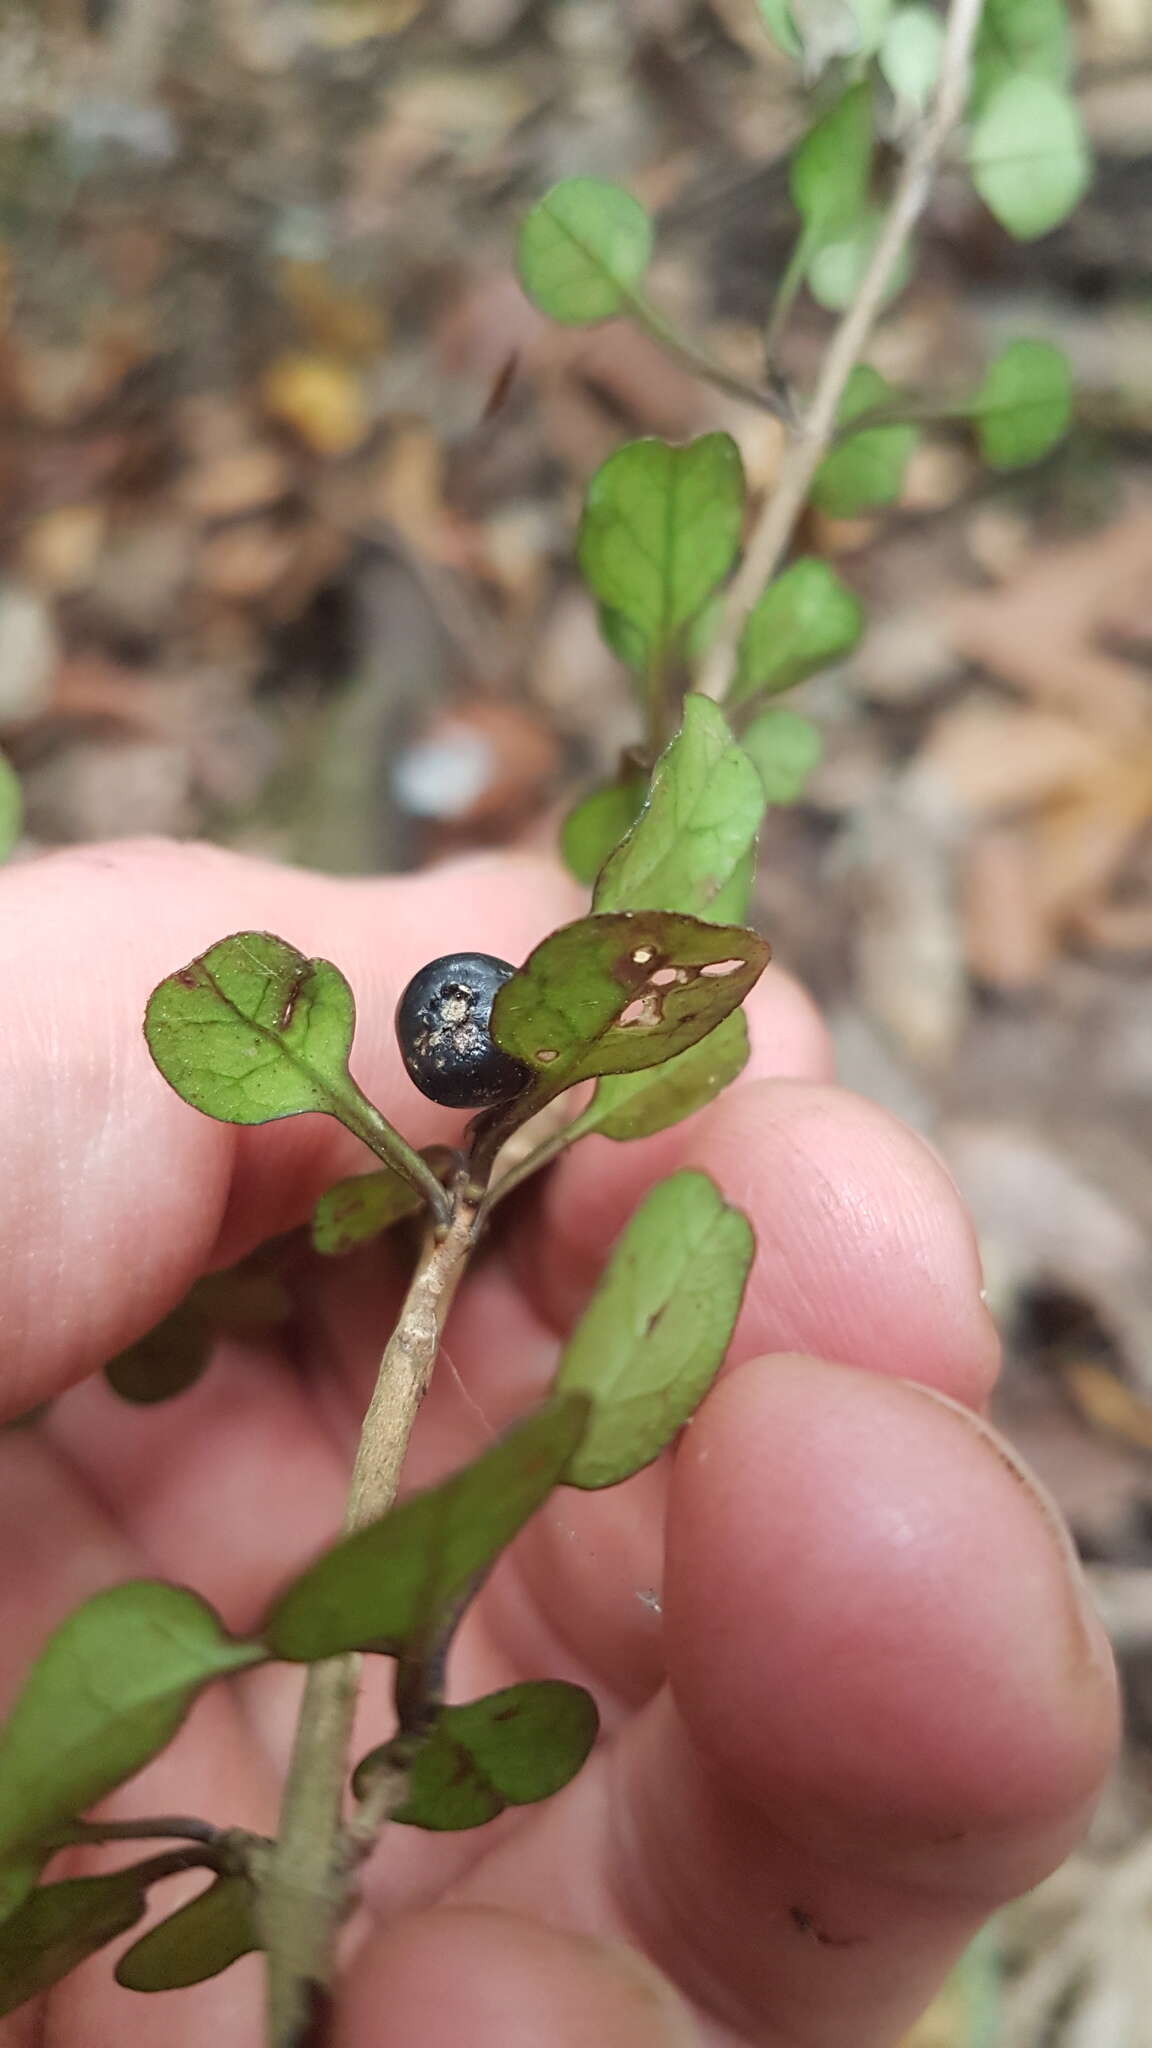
[(660, 530), (621, 991), (60, 1926), (702, 813), (397, 1586), (655, 1332), (583, 250), (252, 1030), (108, 1691), (509, 1749), (200, 1940)]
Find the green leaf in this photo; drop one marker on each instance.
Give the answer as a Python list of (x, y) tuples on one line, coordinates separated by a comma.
[(703, 810), (837, 267), (1024, 404), (18, 1874), (731, 903), (398, 1585), (830, 171), (614, 993), (626, 641), (636, 1105), (243, 1299), (786, 748), (11, 807), (583, 250), (909, 55), (107, 1693), (360, 1208), (251, 1031), (1028, 157), (867, 468), (1031, 36), (661, 528), (198, 1941), (806, 618), (654, 1336), (60, 1926), (777, 18), (596, 825), (510, 1749)]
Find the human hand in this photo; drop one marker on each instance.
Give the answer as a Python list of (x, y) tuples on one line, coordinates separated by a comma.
[(852, 1695)]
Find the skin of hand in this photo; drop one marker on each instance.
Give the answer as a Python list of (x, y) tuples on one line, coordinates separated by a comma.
[(853, 1695)]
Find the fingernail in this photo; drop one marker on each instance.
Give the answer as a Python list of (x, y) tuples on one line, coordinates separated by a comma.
[(1091, 1636)]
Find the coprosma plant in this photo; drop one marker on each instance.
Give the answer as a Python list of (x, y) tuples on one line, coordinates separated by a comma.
[(641, 998)]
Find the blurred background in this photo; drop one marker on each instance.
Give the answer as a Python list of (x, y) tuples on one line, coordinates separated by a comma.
[(289, 474)]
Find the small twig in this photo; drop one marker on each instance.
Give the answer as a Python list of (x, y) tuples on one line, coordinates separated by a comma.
[(163, 1827), (773, 530), (304, 1894), (773, 397)]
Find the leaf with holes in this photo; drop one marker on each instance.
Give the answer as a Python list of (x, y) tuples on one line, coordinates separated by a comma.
[(660, 530), (703, 809), (786, 749), (805, 619), (358, 1209), (60, 1926), (654, 1335), (583, 251), (252, 1030), (635, 1105), (867, 468), (597, 824), (1024, 404), (510, 1749), (196, 1942), (617, 992), (107, 1693), (1028, 156), (398, 1586)]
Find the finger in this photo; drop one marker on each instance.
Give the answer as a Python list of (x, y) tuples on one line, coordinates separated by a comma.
[(116, 1194), (889, 1709), (863, 1249), (499, 1980)]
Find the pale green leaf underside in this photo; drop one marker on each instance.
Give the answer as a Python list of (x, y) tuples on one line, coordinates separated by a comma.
[(1028, 157), (108, 1691), (635, 1105)]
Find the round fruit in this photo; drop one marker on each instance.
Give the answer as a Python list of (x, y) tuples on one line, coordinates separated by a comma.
[(442, 1022)]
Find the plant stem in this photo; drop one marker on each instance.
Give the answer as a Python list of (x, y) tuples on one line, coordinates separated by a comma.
[(163, 1827), (363, 1118), (772, 397), (304, 1895), (773, 530)]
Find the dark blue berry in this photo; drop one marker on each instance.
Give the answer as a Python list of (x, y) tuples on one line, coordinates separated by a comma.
[(442, 1022)]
